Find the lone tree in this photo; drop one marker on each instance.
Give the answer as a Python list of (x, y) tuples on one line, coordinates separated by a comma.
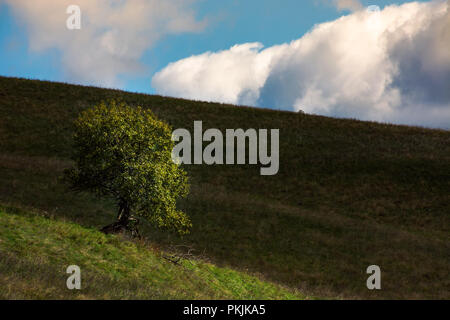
[(126, 153)]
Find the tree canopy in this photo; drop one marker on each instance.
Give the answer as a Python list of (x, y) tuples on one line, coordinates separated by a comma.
[(125, 153)]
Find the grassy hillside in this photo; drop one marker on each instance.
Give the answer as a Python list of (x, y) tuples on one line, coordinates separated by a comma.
[(36, 252), (348, 194)]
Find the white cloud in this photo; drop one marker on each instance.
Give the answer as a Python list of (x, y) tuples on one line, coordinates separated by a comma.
[(229, 76), (114, 33), (392, 65)]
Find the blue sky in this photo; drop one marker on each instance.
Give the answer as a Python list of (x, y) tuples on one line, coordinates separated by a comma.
[(388, 66)]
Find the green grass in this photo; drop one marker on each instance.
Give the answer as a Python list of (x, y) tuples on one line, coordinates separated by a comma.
[(35, 252), (348, 194)]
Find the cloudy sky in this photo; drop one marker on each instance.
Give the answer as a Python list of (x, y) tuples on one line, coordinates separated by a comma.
[(372, 60)]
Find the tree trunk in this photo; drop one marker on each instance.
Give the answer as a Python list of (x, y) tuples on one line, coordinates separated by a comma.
[(121, 224)]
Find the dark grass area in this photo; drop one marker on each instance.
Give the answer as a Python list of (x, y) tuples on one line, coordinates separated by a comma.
[(348, 193)]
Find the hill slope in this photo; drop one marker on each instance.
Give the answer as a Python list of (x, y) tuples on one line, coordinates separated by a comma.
[(348, 194), (36, 251)]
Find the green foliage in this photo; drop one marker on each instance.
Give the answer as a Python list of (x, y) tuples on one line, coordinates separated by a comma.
[(126, 153)]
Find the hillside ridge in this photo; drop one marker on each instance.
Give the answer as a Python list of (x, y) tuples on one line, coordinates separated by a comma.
[(348, 193)]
